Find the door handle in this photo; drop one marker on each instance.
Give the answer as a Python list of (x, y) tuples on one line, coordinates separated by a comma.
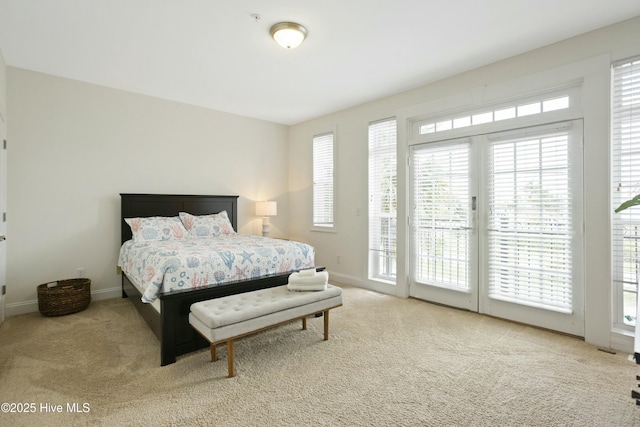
[(3, 238)]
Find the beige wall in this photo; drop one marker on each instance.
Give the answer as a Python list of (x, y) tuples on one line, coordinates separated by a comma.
[(74, 147), (586, 58)]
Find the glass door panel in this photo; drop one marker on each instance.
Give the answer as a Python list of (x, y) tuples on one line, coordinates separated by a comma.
[(443, 224), (533, 241)]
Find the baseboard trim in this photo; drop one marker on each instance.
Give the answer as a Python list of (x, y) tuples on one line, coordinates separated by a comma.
[(17, 308), (25, 307), (621, 342), (346, 279), (372, 285)]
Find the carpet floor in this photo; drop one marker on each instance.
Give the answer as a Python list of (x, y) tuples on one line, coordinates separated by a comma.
[(388, 362)]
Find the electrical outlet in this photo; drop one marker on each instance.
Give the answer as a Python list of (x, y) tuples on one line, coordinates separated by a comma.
[(81, 272), (338, 260)]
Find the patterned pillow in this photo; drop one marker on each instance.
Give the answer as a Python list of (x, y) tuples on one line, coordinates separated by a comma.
[(207, 225), (155, 228)]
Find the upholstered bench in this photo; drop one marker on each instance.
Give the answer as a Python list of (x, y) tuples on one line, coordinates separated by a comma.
[(228, 318)]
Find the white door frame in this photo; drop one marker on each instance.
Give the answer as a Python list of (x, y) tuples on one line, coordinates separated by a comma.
[(572, 322), (3, 217)]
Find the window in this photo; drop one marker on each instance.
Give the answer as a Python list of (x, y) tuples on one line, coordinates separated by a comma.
[(625, 144), (539, 105), (323, 180), (383, 200)]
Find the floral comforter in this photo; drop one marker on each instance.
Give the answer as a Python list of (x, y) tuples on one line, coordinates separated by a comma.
[(166, 266)]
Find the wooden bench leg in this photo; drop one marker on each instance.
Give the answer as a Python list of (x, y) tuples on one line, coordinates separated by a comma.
[(230, 341), (230, 358), (326, 325)]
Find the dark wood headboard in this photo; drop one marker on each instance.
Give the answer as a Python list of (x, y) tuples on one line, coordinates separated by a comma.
[(145, 205)]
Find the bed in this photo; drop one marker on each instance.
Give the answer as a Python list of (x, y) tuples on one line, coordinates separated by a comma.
[(168, 316)]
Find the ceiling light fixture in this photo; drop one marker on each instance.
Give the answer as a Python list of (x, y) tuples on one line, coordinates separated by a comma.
[(289, 35)]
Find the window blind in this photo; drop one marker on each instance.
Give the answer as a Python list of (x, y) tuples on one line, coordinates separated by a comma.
[(625, 156), (530, 224), (383, 199), (323, 180), (442, 214)]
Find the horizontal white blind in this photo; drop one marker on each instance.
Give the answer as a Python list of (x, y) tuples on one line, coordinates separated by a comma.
[(625, 141), (530, 224), (323, 180), (441, 215), (383, 199)]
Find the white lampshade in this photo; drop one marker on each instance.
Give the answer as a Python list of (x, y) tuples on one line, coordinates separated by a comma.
[(289, 35), (267, 208)]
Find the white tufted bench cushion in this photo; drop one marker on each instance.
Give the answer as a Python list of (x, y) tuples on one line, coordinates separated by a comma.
[(234, 316)]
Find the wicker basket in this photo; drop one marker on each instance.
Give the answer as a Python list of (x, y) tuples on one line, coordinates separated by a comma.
[(64, 296)]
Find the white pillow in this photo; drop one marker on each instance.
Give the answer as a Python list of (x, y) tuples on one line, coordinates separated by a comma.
[(156, 228), (212, 225)]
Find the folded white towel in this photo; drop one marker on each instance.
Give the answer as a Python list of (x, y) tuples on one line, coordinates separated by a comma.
[(303, 281), (307, 272), (321, 277), (296, 287)]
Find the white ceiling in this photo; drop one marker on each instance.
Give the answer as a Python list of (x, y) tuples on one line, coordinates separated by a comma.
[(213, 54)]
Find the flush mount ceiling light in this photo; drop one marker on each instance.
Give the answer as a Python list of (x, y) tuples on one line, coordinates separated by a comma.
[(289, 35)]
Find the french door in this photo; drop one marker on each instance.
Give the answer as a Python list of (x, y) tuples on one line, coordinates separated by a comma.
[(497, 225), (444, 223)]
